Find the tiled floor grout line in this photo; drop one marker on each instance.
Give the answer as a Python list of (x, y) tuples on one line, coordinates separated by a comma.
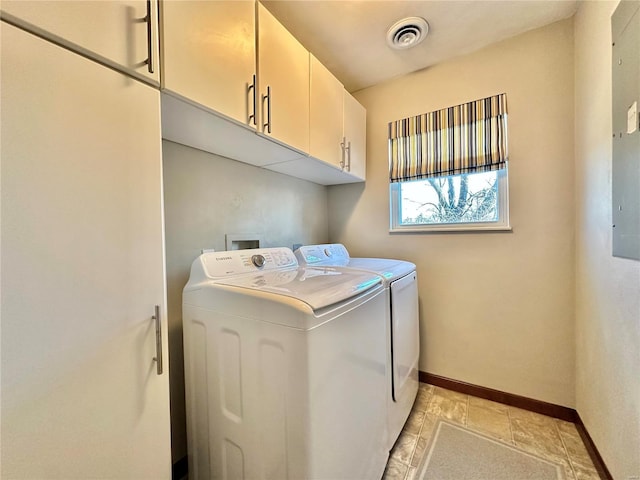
[(406, 476), (466, 417), (424, 418), (566, 451), (513, 439)]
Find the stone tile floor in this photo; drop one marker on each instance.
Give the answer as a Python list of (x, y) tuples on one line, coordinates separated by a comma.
[(546, 437)]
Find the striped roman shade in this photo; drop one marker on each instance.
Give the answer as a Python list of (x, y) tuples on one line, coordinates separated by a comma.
[(467, 138)]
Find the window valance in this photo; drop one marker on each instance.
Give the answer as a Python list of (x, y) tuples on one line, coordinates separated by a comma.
[(466, 138)]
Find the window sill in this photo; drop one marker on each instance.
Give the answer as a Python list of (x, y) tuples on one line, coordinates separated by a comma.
[(453, 229)]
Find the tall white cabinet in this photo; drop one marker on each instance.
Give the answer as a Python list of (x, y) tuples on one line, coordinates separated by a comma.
[(82, 269)]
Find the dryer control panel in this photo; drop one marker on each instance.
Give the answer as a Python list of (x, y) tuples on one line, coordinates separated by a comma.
[(237, 262), (327, 254)]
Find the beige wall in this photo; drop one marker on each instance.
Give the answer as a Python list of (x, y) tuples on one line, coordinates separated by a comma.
[(607, 288), (545, 311), (497, 309), (206, 197)]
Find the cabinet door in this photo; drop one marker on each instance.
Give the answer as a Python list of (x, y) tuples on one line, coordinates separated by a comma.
[(284, 83), (114, 31), (82, 269), (209, 55), (326, 111), (355, 131)]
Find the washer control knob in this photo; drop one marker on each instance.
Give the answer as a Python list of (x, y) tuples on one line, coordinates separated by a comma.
[(327, 252), (258, 260)]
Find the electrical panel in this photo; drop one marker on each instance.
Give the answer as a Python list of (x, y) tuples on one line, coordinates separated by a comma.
[(625, 33)]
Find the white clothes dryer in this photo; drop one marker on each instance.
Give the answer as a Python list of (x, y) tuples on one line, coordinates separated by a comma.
[(401, 288), (284, 369)]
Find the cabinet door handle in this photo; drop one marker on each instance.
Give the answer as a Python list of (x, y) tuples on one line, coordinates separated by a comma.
[(268, 98), (251, 87), (158, 357), (149, 22), (343, 147), (348, 150)]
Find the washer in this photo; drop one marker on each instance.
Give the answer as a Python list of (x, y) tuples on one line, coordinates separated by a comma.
[(284, 369), (401, 288)]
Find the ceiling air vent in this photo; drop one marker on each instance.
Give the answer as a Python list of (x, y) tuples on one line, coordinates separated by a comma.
[(407, 33)]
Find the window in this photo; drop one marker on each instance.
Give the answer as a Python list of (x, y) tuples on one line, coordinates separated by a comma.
[(472, 201), (448, 169)]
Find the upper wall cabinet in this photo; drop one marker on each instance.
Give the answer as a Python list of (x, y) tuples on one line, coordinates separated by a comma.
[(209, 55), (338, 154), (283, 75), (292, 120), (118, 33), (355, 137), (325, 113)]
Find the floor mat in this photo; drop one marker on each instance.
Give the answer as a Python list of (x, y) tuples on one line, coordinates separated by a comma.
[(457, 454)]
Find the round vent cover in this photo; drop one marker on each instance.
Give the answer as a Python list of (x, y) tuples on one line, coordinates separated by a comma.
[(407, 32)]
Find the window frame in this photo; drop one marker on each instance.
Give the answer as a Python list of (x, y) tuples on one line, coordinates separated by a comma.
[(502, 224)]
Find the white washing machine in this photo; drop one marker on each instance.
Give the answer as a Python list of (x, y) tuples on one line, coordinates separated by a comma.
[(285, 369), (401, 288)]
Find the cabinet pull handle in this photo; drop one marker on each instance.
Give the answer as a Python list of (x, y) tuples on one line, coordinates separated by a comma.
[(343, 146), (148, 20), (268, 98), (158, 357), (348, 149), (251, 87)]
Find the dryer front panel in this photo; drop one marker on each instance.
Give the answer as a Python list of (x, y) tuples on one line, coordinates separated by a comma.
[(405, 341)]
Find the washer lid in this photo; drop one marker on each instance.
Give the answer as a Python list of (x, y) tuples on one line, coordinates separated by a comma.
[(317, 287), (336, 254), (389, 269)]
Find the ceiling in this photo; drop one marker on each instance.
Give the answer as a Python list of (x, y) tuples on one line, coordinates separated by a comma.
[(349, 37)]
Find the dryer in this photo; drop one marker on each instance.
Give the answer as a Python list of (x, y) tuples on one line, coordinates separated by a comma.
[(403, 344), (284, 369)]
